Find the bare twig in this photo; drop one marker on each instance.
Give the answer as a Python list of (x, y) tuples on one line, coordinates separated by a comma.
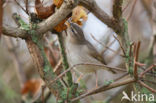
[(62, 74), (149, 81), (140, 64), (123, 75), (120, 45), (113, 95), (64, 59), (105, 46), (147, 70), (14, 32), (20, 6), (57, 17), (66, 9), (146, 86), (135, 60), (108, 45), (104, 88), (133, 7), (57, 65), (39, 62), (26, 6), (92, 6), (127, 5)]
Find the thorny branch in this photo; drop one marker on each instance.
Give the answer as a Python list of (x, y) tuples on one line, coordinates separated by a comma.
[(113, 22), (135, 60), (104, 88), (92, 6), (62, 74), (14, 32), (66, 9), (137, 78)]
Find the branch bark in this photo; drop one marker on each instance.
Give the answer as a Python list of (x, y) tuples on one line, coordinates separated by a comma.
[(57, 17), (39, 63), (104, 88), (92, 6), (14, 32), (63, 12)]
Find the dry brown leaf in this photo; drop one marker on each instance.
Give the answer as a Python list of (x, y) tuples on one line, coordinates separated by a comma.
[(32, 88), (61, 26), (79, 13), (58, 3), (43, 12)]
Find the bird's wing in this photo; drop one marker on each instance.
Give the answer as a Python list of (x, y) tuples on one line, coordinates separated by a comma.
[(96, 56), (94, 53)]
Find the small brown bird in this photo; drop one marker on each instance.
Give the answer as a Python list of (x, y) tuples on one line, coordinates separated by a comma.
[(80, 51)]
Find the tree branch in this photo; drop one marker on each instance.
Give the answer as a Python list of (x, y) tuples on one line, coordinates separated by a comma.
[(104, 88), (66, 9), (14, 32), (64, 59), (57, 17), (39, 62), (92, 6)]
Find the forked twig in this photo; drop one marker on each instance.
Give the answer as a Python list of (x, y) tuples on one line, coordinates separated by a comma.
[(135, 60), (106, 46), (26, 6), (120, 45), (146, 86), (133, 7), (62, 74), (147, 70), (127, 5), (20, 6), (104, 88)]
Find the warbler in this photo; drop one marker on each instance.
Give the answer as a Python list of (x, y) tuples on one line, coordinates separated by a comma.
[(80, 51)]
